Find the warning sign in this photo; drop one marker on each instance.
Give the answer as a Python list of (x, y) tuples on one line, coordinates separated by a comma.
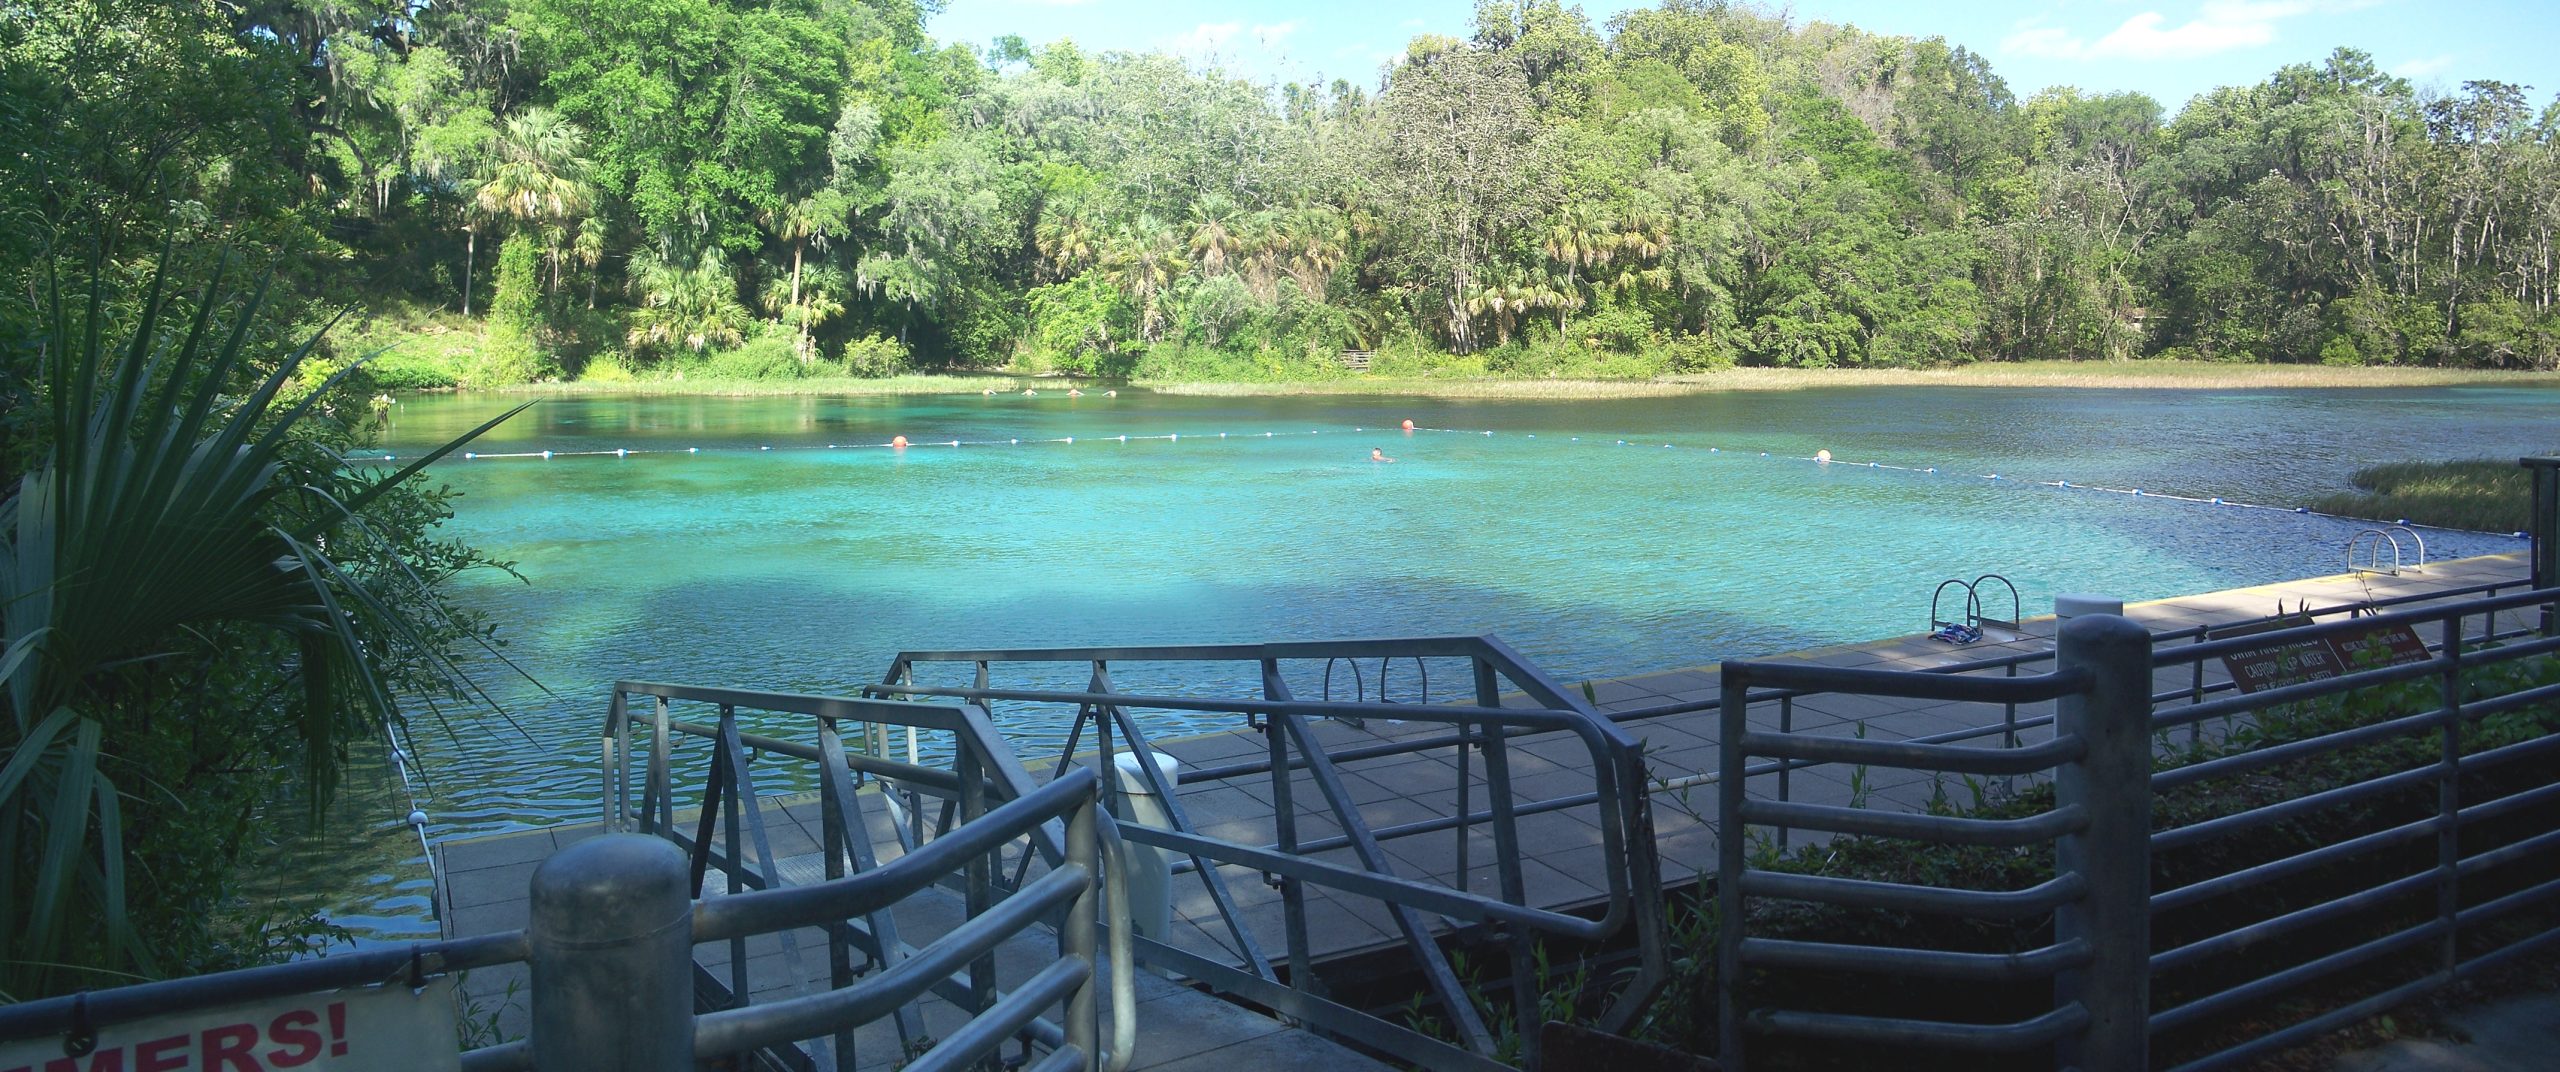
[(2312, 660), (392, 1028)]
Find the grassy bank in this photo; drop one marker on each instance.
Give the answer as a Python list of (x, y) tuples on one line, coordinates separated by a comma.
[(2484, 494), (2183, 375), (2172, 375)]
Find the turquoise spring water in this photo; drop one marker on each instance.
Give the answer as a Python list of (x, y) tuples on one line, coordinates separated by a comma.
[(770, 544)]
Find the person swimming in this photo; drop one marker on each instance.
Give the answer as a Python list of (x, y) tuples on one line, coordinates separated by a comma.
[(1074, 392), (1377, 455), (1029, 393)]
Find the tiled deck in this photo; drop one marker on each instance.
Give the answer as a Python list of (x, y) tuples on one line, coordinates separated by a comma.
[(485, 879)]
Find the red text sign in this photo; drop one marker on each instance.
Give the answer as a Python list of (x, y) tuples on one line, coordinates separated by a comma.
[(392, 1028)]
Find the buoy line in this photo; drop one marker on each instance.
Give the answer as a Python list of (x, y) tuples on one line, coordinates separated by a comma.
[(1823, 458), (400, 761)]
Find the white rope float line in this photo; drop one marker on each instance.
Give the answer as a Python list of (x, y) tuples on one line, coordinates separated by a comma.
[(901, 443), (417, 816), (2138, 493)]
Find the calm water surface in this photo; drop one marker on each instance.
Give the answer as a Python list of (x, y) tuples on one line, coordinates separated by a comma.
[(803, 568)]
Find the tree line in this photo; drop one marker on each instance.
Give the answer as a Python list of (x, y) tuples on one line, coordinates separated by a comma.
[(642, 182)]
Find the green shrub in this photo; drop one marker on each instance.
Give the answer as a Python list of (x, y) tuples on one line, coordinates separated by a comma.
[(401, 370), (607, 367), (768, 356), (876, 357)]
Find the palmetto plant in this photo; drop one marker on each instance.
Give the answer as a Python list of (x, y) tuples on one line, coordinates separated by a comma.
[(183, 498), (691, 305)]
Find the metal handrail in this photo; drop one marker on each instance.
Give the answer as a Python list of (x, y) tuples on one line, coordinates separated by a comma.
[(991, 803), (1484, 726), (125, 1004)]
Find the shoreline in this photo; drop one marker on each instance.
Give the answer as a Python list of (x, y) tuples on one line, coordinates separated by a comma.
[(2154, 375)]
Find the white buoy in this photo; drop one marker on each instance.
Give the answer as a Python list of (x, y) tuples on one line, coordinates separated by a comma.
[(618, 452), (693, 450), (417, 818), (546, 455)]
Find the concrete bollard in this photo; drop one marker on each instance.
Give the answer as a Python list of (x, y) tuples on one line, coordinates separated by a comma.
[(1150, 868), (612, 940)]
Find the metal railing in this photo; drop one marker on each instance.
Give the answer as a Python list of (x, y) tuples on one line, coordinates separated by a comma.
[(2101, 768), (614, 922), (1481, 727), (2449, 881), (964, 846), (2099, 754)]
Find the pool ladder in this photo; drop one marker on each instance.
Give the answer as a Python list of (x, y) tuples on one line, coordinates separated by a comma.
[(1973, 604), (2372, 541)]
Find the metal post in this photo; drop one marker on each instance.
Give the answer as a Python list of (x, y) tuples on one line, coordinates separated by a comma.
[(2449, 802), (1076, 937), (612, 939), (2544, 527), (2112, 784), (1729, 865)]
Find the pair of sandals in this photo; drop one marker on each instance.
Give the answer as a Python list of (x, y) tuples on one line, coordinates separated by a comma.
[(1957, 633)]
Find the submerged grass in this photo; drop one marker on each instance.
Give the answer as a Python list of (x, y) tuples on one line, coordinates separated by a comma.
[(916, 384), (2483, 494)]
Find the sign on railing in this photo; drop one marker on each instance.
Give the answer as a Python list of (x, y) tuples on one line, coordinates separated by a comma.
[(2278, 665), (392, 1028)]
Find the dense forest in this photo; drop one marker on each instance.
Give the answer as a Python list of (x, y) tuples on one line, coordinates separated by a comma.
[(526, 189)]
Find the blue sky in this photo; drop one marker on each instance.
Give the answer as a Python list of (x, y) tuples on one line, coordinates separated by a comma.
[(2171, 49)]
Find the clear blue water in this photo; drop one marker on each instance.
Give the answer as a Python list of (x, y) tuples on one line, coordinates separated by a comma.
[(805, 566)]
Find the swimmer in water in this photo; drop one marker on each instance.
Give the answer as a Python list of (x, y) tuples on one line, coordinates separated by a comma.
[(1110, 394), (1075, 392), (989, 392), (1029, 393), (1377, 455)]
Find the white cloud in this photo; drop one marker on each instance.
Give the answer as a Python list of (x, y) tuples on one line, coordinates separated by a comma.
[(2218, 26), (2423, 67), (1205, 40)]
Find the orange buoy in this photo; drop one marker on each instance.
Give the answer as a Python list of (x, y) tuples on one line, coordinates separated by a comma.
[(899, 442), (1408, 426)]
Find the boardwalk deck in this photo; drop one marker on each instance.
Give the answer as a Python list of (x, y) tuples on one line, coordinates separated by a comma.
[(485, 878)]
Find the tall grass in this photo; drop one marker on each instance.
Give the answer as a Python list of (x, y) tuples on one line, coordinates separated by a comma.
[(2483, 494)]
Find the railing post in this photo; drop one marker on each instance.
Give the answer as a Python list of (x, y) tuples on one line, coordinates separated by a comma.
[(2544, 526), (612, 939), (1076, 937), (2112, 784)]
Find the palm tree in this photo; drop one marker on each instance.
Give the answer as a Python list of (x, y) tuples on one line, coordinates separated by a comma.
[(1320, 237), (1581, 237), (536, 176), (1213, 233), (589, 250), (1143, 263), (812, 219), (695, 305), (1066, 243), (185, 497)]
